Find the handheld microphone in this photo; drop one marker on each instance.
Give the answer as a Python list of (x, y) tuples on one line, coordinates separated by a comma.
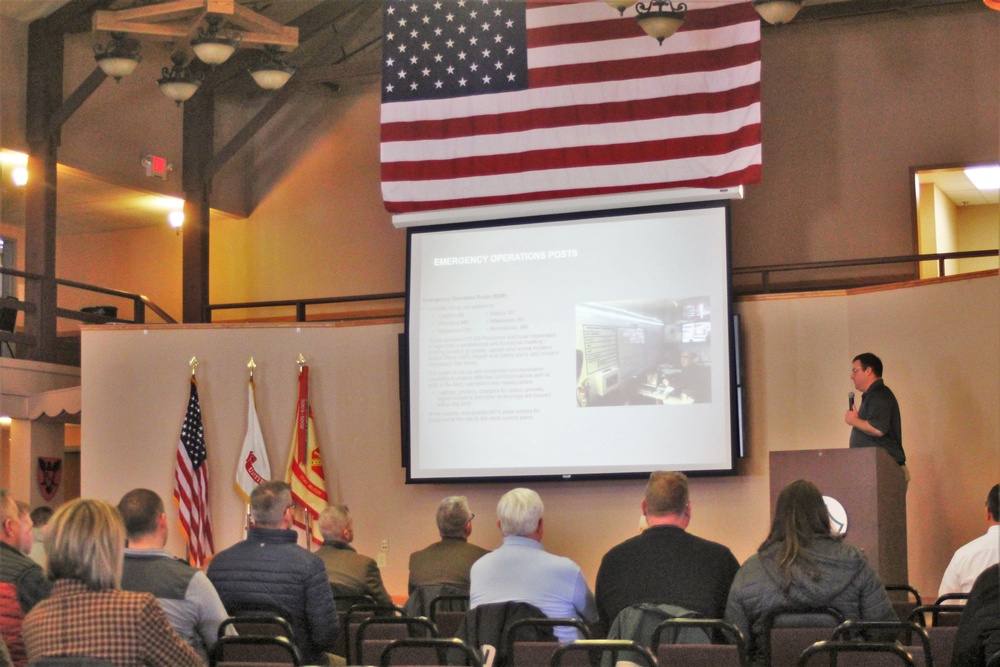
[(850, 400)]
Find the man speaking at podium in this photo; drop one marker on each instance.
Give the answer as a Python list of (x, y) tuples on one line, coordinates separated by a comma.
[(876, 423)]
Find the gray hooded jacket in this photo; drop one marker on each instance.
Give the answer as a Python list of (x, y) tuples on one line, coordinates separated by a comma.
[(840, 577)]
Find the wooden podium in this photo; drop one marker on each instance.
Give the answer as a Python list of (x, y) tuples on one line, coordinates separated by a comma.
[(872, 489)]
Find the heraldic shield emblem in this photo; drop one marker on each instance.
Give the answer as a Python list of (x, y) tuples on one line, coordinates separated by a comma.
[(49, 476)]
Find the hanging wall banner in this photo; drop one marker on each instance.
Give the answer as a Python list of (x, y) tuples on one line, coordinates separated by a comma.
[(49, 476)]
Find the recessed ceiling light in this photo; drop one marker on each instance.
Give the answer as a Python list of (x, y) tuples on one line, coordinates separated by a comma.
[(986, 177)]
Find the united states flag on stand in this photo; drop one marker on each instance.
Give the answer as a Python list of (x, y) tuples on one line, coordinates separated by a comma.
[(494, 101), (191, 484)]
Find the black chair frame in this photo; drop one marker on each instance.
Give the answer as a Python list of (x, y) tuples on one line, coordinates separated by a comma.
[(907, 589), (905, 631), (935, 610), (509, 636), (411, 623), (437, 603), (441, 645), (605, 646), (219, 650), (281, 627), (720, 632), (854, 647)]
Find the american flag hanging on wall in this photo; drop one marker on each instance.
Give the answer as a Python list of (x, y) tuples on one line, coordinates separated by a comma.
[(492, 102), (191, 483)]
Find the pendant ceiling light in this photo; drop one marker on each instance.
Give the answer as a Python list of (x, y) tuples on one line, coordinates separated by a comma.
[(777, 12), (660, 18), (119, 57), (178, 82)]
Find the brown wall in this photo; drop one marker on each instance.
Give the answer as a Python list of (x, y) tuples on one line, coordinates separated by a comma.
[(938, 342)]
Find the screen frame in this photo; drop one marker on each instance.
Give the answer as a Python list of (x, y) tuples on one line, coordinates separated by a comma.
[(734, 386)]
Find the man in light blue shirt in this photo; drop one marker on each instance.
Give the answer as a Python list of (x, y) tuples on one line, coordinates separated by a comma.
[(522, 571)]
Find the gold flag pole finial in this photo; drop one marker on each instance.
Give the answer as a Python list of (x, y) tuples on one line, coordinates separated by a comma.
[(193, 364), (300, 361), (251, 365)]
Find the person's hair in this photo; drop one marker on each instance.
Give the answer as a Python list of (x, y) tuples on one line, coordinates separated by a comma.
[(333, 520), (993, 502), (453, 515), (8, 506), (268, 503), (86, 541), (23, 509), (140, 510), (869, 360), (519, 511), (41, 515), (800, 516), (666, 493)]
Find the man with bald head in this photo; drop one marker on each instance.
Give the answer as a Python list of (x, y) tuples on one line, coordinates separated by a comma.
[(665, 564), (349, 572)]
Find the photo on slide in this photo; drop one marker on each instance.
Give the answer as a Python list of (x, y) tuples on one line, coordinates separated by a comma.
[(643, 352)]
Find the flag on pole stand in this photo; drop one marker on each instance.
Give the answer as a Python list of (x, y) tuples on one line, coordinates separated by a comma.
[(305, 466), (253, 466), (191, 481)]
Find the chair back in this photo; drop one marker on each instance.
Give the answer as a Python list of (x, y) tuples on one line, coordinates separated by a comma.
[(433, 651), (485, 625), (422, 597), (537, 643), (787, 632), (856, 654), (605, 651), (728, 647), (259, 624), (374, 634), (940, 614), (942, 638), (901, 600), (238, 649), (358, 614), (906, 633), (447, 613)]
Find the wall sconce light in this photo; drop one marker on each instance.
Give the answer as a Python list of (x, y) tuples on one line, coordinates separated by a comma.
[(19, 176), (119, 57), (176, 220), (178, 82), (777, 12)]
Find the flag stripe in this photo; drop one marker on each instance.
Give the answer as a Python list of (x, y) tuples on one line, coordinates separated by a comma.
[(549, 126), (595, 179), (605, 104), (749, 174), (615, 149)]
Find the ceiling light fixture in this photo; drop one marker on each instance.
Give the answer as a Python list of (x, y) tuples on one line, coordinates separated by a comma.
[(985, 177), (660, 18), (777, 12), (211, 47), (176, 219), (178, 83), (119, 57), (272, 72)]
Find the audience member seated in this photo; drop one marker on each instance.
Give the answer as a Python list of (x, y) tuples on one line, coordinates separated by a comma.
[(87, 614), (802, 565), (522, 571), (970, 560), (348, 571), (445, 565), (978, 635), (27, 584), (665, 564), (39, 517), (269, 571), (187, 596)]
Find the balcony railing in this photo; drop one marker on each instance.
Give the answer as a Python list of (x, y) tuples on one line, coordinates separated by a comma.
[(374, 308)]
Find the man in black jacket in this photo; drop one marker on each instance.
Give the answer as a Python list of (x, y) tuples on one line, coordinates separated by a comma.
[(269, 571), (665, 564)]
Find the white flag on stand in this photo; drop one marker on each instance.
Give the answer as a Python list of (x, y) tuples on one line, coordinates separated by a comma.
[(253, 466)]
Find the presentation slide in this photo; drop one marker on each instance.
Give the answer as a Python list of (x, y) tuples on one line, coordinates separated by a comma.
[(582, 347)]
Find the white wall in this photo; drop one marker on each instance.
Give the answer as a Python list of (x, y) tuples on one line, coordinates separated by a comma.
[(939, 343)]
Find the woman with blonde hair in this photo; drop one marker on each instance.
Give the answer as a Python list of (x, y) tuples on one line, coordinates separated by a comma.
[(87, 614), (801, 565)]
